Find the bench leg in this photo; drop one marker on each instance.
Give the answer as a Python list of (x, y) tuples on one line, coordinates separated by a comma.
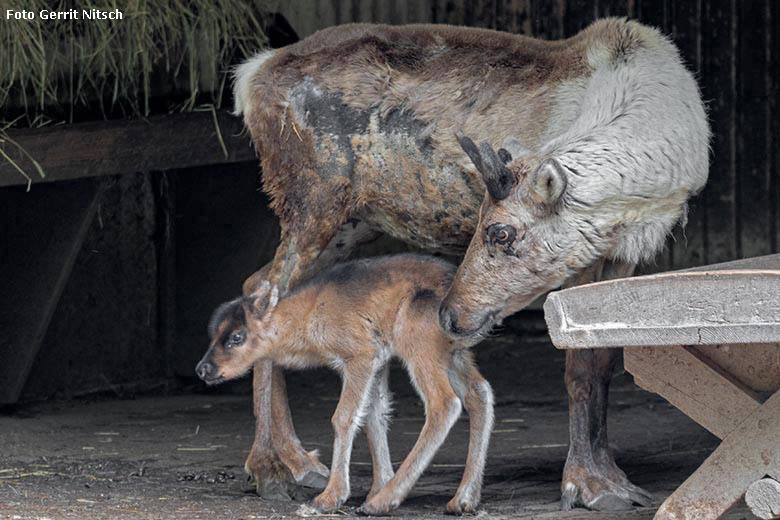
[(747, 454)]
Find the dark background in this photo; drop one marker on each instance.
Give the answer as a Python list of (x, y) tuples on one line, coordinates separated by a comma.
[(165, 247)]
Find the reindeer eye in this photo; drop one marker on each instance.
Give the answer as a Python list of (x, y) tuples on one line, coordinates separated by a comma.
[(501, 234), (235, 340)]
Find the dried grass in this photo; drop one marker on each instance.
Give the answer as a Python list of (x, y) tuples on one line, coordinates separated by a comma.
[(48, 68)]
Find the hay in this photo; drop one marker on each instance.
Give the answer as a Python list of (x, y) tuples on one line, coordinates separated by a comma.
[(49, 68)]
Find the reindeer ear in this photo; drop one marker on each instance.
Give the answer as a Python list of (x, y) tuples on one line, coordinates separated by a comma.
[(547, 183), (273, 298)]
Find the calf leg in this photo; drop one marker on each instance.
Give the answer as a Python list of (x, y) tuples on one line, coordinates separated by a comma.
[(277, 457), (376, 431), (477, 397), (442, 409), (356, 392), (591, 478)]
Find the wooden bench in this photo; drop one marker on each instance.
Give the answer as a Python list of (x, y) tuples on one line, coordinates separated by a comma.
[(707, 340)]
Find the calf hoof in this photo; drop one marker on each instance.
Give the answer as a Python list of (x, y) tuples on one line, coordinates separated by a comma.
[(378, 505), (327, 502), (462, 506)]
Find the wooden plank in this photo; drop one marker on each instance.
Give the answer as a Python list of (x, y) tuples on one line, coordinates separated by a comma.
[(612, 8), (50, 226), (719, 83), (579, 14), (754, 221), (514, 16), (688, 245), (481, 13), (655, 13), (747, 454), (126, 146), (775, 111), (685, 379), (548, 19), (687, 308), (165, 244), (451, 12)]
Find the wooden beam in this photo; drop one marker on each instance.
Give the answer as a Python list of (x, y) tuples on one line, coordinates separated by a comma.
[(126, 146), (686, 379), (49, 227)]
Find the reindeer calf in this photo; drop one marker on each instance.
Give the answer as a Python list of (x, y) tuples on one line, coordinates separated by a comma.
[(354, 318)]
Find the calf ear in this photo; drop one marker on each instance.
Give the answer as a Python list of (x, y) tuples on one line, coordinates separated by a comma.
[(496, 176), (260, 299), (548, 183)]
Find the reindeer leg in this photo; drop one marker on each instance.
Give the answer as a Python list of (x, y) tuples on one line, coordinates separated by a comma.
[(591, 478), (477, 397), (376, 431), (359, 376), (277, 457), (442, 409)]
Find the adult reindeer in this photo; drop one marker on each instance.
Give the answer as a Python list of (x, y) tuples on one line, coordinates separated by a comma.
[(603, 138)]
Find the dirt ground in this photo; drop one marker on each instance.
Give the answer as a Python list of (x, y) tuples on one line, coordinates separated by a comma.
[(181, 456)]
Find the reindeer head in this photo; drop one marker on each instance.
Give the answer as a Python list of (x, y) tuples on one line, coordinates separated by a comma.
[(241, 333), (519, 250)]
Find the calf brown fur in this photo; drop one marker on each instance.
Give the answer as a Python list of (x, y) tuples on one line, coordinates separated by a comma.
[(354, 317)]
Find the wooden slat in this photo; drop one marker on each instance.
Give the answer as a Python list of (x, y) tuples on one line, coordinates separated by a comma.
[(654, 13), (718, 83), (119, 147), (481, 13), (685, 379), (755, 204), (612, 8), (775, 113), (56, 219), (514, 16), (688, 244), (452, 12), (579, 14), (548, 18)]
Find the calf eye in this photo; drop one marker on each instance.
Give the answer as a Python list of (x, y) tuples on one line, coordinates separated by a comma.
[(235, 340), (501, 234)]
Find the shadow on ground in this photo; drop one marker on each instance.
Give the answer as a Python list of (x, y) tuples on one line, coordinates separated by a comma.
[(181, 456)]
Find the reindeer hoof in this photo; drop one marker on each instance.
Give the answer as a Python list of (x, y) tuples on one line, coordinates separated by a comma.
[(273, 490)]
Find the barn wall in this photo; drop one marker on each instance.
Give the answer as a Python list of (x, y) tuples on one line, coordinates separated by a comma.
[(103, 334)]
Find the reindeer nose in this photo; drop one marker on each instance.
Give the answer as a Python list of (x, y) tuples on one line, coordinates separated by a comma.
[(204, 370)]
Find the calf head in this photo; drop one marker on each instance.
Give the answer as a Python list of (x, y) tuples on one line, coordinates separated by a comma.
[(241, 332), (529, 239)]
